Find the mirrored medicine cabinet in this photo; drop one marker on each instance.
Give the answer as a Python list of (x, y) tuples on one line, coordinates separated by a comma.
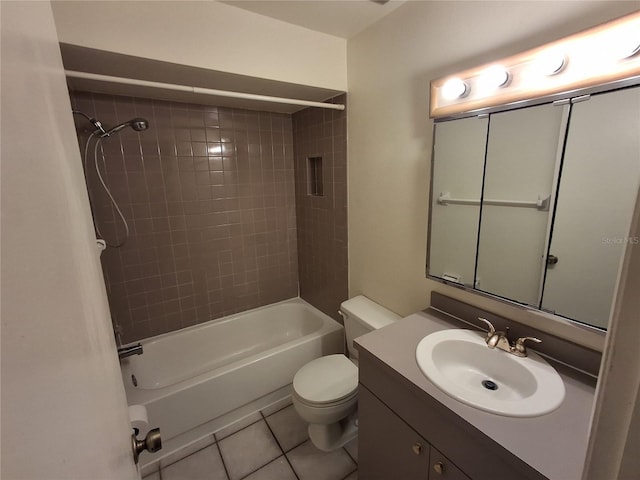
[(533, 205)]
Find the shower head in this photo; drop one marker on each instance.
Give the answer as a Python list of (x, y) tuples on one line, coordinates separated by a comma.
[(138, 124)]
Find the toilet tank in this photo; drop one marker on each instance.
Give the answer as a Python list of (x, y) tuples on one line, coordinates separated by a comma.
[(361, 316)]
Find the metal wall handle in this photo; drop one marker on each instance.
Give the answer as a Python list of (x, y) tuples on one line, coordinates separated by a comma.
[(124, 352)]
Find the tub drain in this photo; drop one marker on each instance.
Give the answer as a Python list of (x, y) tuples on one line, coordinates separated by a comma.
[(489, 385)]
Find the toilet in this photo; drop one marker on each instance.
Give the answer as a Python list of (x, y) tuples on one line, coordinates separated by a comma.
[(325, 390)]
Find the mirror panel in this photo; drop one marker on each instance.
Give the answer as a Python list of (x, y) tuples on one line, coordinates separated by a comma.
[(457, 170), (598, 187), (490, 233), (524, 147)]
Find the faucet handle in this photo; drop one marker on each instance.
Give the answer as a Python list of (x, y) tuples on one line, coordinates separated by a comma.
[(519, 348), (492, 329)]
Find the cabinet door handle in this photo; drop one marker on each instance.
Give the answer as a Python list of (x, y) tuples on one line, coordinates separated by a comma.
[(417, 448), (439, 468)]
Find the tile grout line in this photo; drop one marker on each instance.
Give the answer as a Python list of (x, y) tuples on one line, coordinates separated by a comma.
[(278, 443), (350, 473), (351, 457), (298, 445), (260, 468), (237, 431), (160, 468), (262, 419), (217, 441), (224, 464), (275, 411)]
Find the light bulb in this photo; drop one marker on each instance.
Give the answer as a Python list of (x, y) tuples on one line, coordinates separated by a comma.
[(494, 77), (551, 62), (629, 50), (624, 42), (454, 88)]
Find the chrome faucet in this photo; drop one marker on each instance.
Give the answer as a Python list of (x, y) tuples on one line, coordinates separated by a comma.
[(501, 341), (124, 352)]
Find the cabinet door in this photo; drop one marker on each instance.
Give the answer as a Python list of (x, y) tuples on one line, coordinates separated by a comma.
[(523, 149), (453, 232), (597, 194), (387, 447), (441, 468)]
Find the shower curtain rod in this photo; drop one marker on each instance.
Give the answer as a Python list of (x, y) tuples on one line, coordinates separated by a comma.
[(202, 91)]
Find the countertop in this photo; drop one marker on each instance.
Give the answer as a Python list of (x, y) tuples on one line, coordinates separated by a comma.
[(554, 444)]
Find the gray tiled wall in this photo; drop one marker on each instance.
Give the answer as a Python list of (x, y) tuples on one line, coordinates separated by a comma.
[(209, 197), (322, 220)]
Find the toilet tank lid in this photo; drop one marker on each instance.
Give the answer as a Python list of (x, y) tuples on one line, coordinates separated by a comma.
[(368, 312)]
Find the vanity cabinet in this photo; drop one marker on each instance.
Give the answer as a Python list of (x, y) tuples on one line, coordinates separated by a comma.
[(441, 468), (389, 448), (405, 433)]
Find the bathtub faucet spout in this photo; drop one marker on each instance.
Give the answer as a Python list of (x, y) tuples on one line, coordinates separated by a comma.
[(124, 352)]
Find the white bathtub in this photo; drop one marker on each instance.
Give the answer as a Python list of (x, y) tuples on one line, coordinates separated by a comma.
[(191, 377)]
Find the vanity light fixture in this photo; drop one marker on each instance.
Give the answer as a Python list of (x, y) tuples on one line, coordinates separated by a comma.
[(607, 55), (455, 88)]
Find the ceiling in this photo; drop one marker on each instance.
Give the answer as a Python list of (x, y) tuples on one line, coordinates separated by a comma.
[(340, 18)]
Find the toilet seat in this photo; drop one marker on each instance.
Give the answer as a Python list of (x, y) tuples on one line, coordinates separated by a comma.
[(326, 381), (327, 405)]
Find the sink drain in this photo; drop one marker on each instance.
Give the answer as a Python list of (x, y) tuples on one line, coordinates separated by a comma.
[(489, 385)]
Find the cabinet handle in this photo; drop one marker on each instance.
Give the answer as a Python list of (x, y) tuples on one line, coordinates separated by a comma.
[(417, 448), (439, 468)]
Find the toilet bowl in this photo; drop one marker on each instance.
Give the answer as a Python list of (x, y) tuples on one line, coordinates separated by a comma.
[(325, 390), (325, 395)]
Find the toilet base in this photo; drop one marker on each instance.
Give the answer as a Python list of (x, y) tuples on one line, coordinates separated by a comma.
[(335, 435)]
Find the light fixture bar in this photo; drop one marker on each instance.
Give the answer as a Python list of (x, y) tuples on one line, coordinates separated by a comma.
[(602, 55)]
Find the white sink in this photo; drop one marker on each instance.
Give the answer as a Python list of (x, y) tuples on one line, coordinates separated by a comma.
[(460, 364)]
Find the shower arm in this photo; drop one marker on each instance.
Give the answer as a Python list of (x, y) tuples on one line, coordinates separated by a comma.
[(94, 121)]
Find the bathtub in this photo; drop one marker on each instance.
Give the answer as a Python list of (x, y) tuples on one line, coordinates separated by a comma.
[(189, 378)]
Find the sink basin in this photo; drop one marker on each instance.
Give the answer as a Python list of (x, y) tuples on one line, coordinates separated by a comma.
[(460, 364)]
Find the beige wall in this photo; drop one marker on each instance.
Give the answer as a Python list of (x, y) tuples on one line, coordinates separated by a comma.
[(206, 34), (390, 66)]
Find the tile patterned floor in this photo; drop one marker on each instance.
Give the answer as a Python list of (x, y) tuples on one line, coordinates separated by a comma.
[(269, 445)]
